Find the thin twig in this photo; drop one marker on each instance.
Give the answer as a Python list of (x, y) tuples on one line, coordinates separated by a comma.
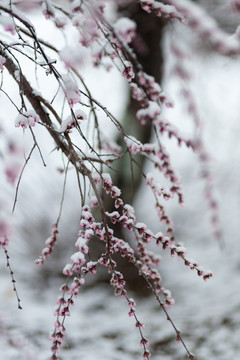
[(20, 176)]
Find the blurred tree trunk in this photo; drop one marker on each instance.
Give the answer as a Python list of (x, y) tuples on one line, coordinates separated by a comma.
[(147, 46)]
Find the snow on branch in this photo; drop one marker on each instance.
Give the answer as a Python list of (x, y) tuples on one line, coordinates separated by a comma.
[(206, 27), (93, 141)]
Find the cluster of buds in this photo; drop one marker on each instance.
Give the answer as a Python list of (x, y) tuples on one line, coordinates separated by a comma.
[(159, 191), (62, 311), (166, 127), (137, 92), (87, 27), (48, 10), (71, 90), (149, 85), (88, 226), (206, 27), (162, 10), (128, 72), (4, 241), (125, 250), (73, 121), (75, 268), (151, 90), (125, 29), (108, 186), (50, 244), (163, 217), (150, 113), (117, 281), (175, 249), (146, 256), (161, 161), (133, 144), (27, 118)]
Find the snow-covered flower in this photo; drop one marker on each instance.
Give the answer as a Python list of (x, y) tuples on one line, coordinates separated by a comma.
[(71, 90), (27, 118), (72, 121), (78, 258), (48, 9), (125, 29), (73, 57), (128, 72), (150, 113)]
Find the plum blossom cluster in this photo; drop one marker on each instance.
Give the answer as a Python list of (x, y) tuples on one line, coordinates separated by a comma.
[(118, 283), (206, 27), (151, 89), (175, 249), (128, 72), (128, 220), (48, 9), (71, 90), (64, 302), (5, 228), (150, 113), (73, 271), (26, 119), (87, 27), (172, 132), (109, 187), (159, 191), (50, 244), (125, 29), (73, 57), (162, 10), (76, 271), (72, 121), (161, 161)]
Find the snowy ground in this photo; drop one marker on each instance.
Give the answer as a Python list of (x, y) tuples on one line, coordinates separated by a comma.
[(207, 313)]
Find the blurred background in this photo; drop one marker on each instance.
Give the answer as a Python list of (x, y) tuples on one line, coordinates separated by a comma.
[(207, 313)]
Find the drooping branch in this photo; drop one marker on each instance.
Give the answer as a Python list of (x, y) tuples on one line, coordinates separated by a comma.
[(36, 102)]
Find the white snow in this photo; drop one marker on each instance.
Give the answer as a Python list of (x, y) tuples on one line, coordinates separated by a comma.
[(208, 313)]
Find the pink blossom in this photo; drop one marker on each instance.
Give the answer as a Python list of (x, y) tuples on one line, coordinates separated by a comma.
[(71, 90), (27, 118), (144, 341), (73, 57), (128, 72), (150, 113), (125, 29), (47, 9)]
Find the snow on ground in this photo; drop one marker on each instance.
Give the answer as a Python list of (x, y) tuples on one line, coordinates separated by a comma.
[(208, 313)]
